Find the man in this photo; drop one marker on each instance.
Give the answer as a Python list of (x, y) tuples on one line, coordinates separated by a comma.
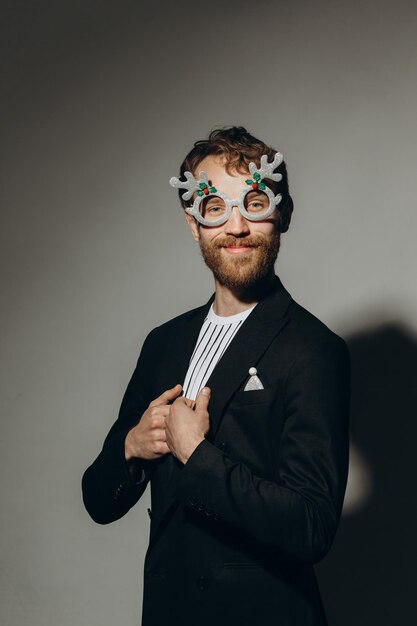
[(237, 413)]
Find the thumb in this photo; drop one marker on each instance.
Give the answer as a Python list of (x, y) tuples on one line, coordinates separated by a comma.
[(203, 399), (167, 396)]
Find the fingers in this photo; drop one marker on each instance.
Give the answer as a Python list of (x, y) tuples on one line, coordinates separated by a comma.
[(168, 396), (158, 413), (160, 448), (159, 435), (161, 405), (203, 398)]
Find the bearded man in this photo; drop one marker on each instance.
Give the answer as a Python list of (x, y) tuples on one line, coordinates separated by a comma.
[(237, 414)]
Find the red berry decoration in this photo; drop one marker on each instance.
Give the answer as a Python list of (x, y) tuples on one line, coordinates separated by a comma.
[(254, 185), (206, 191)]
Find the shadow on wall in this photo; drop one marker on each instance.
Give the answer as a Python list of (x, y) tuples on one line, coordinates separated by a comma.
[(369, 577)]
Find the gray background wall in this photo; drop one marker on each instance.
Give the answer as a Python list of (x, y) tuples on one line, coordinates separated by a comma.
[(101, 100)]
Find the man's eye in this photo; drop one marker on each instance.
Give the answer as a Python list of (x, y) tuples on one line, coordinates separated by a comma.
[(256, 202), (212, 208), (256, 206)]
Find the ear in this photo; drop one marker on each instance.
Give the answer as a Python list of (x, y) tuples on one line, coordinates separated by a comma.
[(193, 226), (285, 215)]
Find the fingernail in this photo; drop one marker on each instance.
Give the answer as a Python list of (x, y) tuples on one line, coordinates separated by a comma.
[(205, 391)]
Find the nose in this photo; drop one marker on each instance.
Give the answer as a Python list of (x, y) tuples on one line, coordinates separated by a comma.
[(236, 224)]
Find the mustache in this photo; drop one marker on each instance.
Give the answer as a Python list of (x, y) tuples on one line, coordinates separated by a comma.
[(252, 241)]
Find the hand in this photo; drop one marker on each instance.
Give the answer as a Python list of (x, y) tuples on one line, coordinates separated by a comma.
[(186, 427), (147, 439)]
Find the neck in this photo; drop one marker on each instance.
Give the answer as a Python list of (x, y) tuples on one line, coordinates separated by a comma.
[(228, 301)]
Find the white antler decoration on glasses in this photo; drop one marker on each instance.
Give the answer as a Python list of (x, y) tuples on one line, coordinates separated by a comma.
[(267, 169), (192, 185)]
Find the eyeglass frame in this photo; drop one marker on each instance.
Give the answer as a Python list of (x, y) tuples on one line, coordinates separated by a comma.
[(203, 189), (230, 203)]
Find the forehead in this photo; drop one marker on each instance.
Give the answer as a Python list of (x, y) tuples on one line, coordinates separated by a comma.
[(215, 168)]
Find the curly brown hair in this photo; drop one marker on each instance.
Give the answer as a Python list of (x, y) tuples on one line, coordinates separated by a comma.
[(238, 148)]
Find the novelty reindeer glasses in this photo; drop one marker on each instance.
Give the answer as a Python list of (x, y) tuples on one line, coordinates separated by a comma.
[(212, 207)]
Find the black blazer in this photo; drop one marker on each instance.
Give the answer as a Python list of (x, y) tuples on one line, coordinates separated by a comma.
[(236, 530)]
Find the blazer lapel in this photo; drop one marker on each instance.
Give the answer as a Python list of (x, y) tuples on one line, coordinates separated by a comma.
[(181, 345), (246, 349)]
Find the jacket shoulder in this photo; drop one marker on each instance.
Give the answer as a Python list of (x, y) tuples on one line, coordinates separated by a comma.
[(167, 328), (307, 331)]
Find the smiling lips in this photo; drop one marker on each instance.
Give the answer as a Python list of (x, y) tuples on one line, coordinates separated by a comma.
[(234, 243), (238, 249), (239, 246)]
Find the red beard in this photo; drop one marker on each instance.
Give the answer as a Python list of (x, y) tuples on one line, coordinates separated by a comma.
[(241, 271)]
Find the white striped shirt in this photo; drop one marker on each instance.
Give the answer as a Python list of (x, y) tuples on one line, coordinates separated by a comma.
[(215, 336)]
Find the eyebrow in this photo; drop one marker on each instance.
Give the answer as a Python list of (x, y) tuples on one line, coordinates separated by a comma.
[(255, 192)]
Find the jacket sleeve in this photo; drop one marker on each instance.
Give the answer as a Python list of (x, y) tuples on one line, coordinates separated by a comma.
[(299, 513), (112, 485)]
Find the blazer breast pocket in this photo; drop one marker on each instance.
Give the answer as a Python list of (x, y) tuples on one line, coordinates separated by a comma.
[(250, 428), (256, 396)]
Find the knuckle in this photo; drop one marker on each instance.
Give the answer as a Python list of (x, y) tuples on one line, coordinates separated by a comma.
[(159, 447)]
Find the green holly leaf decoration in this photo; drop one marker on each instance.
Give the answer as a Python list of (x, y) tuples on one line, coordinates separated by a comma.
[(200, 193), (249, 181), (257, 176), (261, 186), (212, 190), (203, 186)]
